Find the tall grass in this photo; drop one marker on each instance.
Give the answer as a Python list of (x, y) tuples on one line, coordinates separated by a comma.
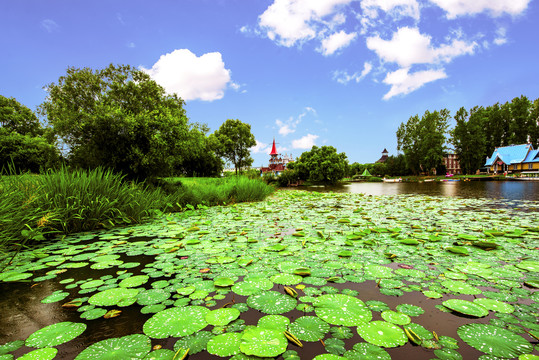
[(33, 207), (63, 201)]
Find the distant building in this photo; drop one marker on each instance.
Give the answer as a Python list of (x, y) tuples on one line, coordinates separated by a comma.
[(277, 162), (514, 159), (384, 157), (452, 164)]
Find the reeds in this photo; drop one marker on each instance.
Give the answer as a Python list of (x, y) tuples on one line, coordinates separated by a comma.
[(34, 207)]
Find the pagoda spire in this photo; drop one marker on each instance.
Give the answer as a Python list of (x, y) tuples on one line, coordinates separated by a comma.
[(273, 149)]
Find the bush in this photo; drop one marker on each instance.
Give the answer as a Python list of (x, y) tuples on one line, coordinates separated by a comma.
[(287, 177)]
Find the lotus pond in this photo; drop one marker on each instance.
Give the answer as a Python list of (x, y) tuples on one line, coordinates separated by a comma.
[(302, 275)]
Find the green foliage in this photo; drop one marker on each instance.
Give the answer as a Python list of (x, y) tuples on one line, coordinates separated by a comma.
[(118, 118), (26, 153), (18, 118), (422, 140), (469, 138), (287, 177), (323, 165), (200, 158), (233, 142)]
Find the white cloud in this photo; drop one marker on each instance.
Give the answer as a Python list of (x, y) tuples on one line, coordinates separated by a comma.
[(335, 42), (289, 126), (408, 46), (396, 8), (191, 77), (50, 25), (260, 147), (131, 45), (305, 142), (291, 22), (404, 83), (456, 8), (501, 36), (344, 78)]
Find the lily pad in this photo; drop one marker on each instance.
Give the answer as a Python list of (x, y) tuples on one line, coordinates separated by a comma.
[(465, 307), (272, 302), (134, 281), (224, 345), (339, 309), (263, 342), (251, 287), (381, 333), (495, 305), (55, 334), (275, 322), (222, 317), (176, 322), (395, 317), (40, 354), (309, 328), (195, 343), (127, 347), (364, 350), (494, 340), (461, 287), (114, 296)]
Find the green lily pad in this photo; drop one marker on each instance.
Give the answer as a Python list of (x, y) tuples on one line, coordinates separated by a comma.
[(114, 296), (494, 340), (396, 318), (495, 305), (161, 354), (272, 302), (11, 276), (134, 281), (465, 307), (275, 322), (341, 332), (529, 265), (222, 317), (223, 281), (55, 334), (195, 343), (57, 296), (461, 287), (152, 296), (339, 309), (127, 347), (40, 354), (176, 322), (410, 310), (286, 279), (309, 328), (251, 287), (381, 333), (225, 344), (11, 346), (263, 342), (364, 350)]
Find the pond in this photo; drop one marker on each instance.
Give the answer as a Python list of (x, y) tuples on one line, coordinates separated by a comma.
[(511, 190), (346, 276)]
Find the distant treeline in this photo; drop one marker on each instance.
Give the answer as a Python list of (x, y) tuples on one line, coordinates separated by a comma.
[(476, 133)]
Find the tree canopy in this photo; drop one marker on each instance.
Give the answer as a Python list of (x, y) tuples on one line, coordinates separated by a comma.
[(321, 164), (118, 118), (23, 140), (233, 141), (423, 140)]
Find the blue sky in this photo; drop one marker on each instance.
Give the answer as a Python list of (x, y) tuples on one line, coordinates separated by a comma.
[(344, 73)]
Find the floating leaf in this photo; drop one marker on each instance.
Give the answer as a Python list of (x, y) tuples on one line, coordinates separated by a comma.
[(40, 354), (176, 322), (128, 347), (224, 345), (395, 317), (114, 296), (466, 307), (495, 305), (275, 322), (222, 317), (339, 309), (461, 287), (134, 281), (494, 340), (272, 302), (195, 343), (263, 342), (367, 351), (309, 328), (381, 333), (55, 334)]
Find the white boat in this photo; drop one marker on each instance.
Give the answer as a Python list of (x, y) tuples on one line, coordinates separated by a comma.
[(392, 180)]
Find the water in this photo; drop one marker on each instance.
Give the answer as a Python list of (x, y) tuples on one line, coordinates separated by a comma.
[(510, 190)]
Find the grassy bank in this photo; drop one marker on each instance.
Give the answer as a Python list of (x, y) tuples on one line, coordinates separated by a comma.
[(33, 207)]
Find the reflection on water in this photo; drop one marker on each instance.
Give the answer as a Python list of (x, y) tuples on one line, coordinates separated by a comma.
[(511, 190)]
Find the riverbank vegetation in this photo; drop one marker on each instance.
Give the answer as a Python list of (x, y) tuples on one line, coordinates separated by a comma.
[(35, 207)]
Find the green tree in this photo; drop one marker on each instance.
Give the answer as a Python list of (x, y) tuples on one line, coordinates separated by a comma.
[(119, 118), (233, 141), (423, 140), (16, 117), (469, 138), (521, 125), (200, 159), (321, 164)]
